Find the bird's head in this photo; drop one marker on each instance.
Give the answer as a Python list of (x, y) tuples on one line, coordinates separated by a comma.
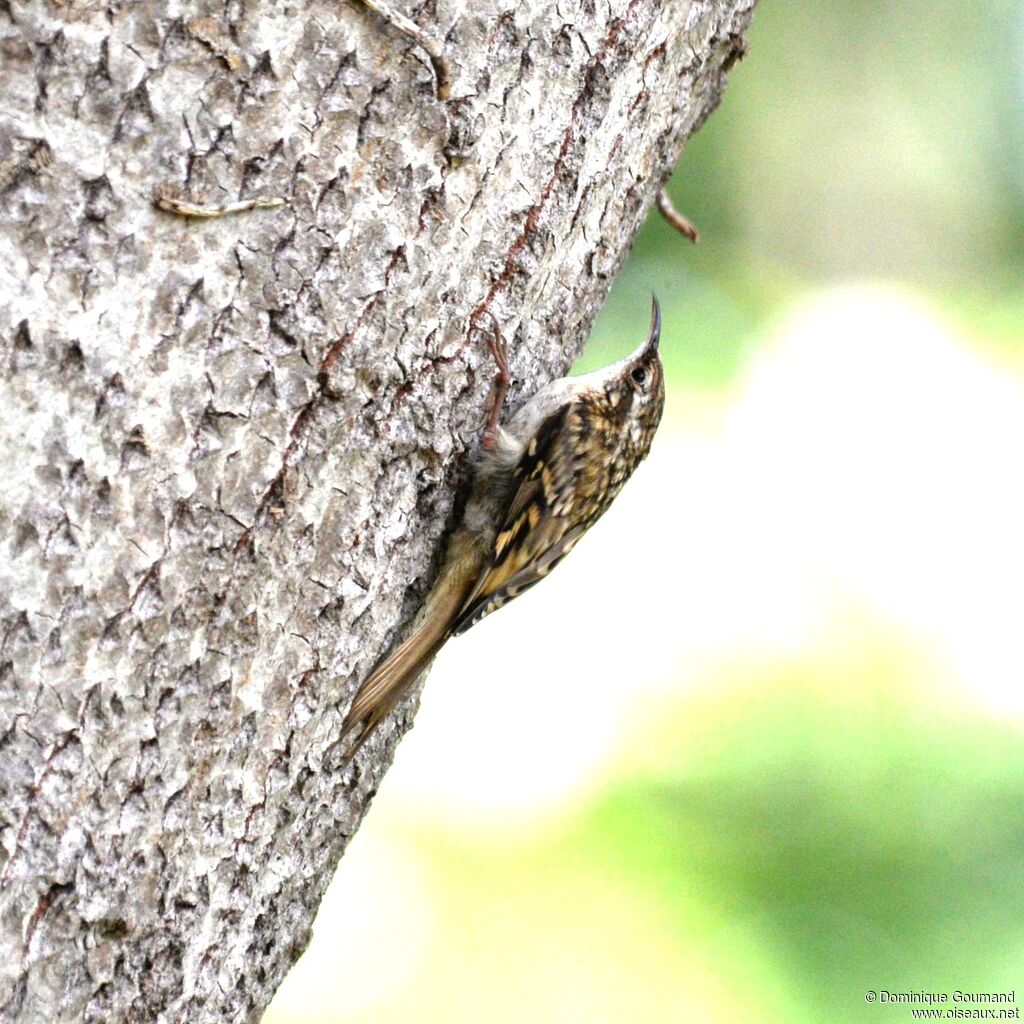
[(635, 391)]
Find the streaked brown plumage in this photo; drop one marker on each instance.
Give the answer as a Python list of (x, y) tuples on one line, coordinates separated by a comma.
[(539, 484)]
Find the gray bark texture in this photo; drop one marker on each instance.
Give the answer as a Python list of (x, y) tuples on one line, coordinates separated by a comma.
[(230, 447)]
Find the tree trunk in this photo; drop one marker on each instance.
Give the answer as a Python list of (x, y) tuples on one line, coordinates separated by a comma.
[(230, 446)]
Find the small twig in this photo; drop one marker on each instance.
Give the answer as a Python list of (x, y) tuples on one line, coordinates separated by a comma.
[(675, 218), (187, 209), (432, 48)]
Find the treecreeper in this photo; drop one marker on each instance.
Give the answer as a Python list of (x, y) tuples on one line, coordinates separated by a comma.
[(539, 482)]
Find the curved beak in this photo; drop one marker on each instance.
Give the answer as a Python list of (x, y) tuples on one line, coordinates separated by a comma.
[(654, 334)]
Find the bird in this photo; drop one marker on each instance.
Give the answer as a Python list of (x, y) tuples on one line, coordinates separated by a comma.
[(538, 483)]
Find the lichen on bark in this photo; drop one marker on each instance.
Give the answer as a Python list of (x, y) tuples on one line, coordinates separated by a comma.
[(230, 447)]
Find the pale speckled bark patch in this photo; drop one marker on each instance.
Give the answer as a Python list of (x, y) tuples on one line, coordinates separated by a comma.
[(229, 447)]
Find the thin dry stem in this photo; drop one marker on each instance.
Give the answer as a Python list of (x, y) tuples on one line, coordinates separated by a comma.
[(682, 224), (429, 45), (183, 208)]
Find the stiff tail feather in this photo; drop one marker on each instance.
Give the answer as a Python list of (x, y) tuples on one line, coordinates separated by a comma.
[(389, 683), (395, 676)]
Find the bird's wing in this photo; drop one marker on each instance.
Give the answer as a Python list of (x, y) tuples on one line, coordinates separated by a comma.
[(539, 527)]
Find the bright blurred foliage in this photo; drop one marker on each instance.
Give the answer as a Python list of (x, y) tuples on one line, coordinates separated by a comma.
[(758, 747)]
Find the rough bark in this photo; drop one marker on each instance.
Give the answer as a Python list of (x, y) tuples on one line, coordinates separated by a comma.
[(230, 447)]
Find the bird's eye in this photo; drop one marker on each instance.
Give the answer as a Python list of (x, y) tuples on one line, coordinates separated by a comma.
[(639, 375)]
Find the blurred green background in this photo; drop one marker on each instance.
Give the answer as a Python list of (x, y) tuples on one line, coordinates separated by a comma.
[(757, 749)]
